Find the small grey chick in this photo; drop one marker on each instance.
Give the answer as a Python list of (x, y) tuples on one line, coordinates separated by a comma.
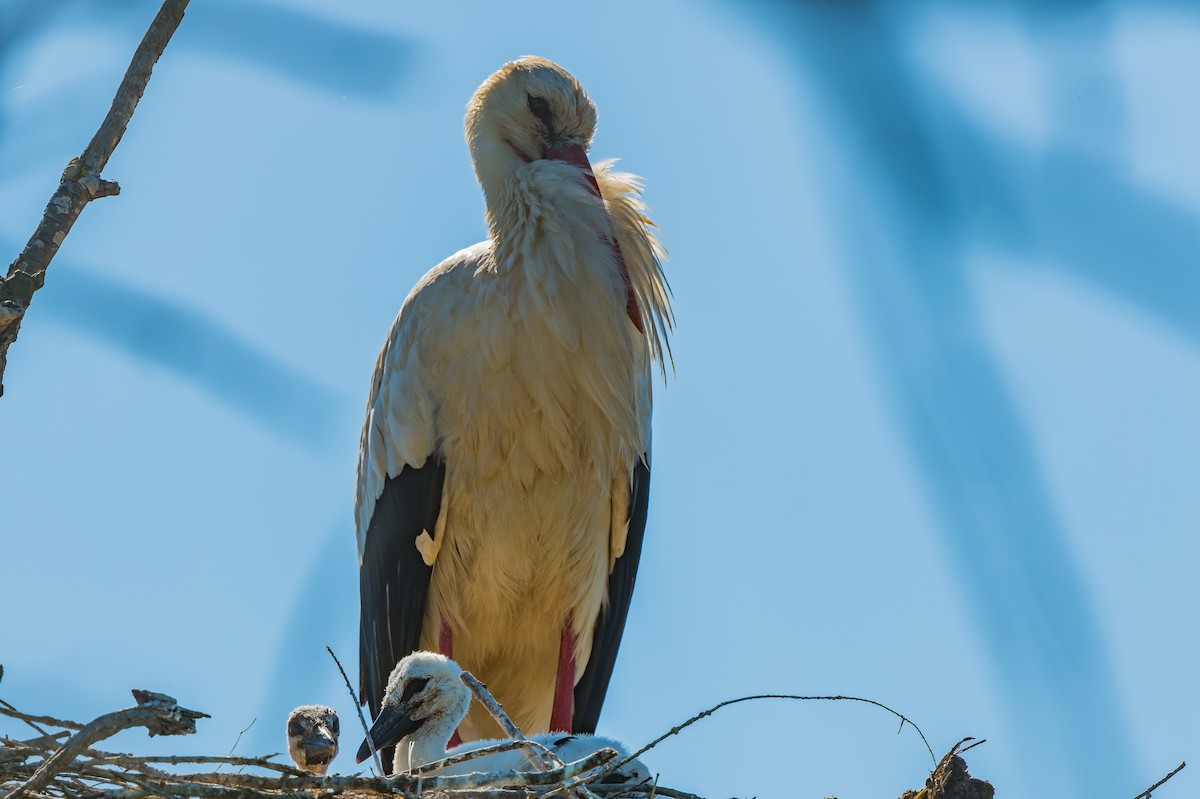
[(312, 736)]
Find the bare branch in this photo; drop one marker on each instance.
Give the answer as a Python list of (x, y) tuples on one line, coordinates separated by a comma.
[(81, 182), (538, 759), (483, 751), (8, 710), (158, 713), (358, 709), (680, 727), (1146, 793)]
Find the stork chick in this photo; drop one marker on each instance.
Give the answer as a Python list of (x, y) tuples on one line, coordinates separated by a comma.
[(426, 700), (312, 736)]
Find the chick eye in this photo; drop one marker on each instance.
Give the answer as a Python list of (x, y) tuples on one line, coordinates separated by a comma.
[(539, 107), (413, 688)]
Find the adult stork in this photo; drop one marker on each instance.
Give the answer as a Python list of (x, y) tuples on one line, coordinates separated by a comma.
[(504, 466)]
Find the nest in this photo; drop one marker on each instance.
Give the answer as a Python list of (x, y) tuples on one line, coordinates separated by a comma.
[(60, 762)]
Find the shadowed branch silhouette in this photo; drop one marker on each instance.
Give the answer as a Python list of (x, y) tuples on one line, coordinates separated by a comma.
[(198, 349), (911, 196), (308, 49)]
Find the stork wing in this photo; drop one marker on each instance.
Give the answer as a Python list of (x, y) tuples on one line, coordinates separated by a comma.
[(592, 686), (393, 577), (398, 493)]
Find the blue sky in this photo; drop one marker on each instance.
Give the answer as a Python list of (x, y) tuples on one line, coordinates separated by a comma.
[(932, 437)]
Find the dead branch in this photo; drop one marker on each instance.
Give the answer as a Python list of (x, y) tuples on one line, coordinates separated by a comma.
[(158, 713), (951, 780), (1146, 793), (539, 757), (704, 714), (81, 182), (358, 709), (8, 710)]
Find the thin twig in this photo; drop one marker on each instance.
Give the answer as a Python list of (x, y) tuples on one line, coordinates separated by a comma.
[(538, 759), (1146, 793), (358, 709), (238, 740), (483, 751), (678, 728), (8, 710), (81, 182)]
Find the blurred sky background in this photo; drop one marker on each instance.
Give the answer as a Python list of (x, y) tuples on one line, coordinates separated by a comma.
[(932, 438)]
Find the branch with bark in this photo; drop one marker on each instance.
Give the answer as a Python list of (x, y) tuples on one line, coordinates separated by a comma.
[(81, 182)]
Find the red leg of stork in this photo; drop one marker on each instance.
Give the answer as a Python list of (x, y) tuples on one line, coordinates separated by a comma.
[(564, 683), (446, 647)]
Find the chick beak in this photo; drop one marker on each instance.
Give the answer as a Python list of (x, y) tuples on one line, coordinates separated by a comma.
[(318, 748), (389, 728)]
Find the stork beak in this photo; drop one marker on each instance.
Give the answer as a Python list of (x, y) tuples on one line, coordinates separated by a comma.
[(576, 155), (389, 728), (318, 749)]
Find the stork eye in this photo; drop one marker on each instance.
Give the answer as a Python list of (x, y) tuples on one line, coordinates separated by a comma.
[(295, 728), (413, 688), (334, 725), (540, 108)]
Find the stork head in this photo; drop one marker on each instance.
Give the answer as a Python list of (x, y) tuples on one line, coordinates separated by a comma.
[(424, 693), (527, 110), (312, 736)]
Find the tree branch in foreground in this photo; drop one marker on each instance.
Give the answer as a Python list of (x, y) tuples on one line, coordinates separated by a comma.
[(158, 713), (81, 182)]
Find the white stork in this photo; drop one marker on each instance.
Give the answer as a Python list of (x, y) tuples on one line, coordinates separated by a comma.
[(424, 703), (312, 737), (504, 466)]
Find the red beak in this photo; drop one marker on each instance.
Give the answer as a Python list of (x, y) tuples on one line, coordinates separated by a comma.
[(576, 154)]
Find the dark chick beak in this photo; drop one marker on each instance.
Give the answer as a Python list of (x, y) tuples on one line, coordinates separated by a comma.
[(318, 749), (390, 726)]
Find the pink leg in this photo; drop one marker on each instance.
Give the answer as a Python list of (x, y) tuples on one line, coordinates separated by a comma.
[(564, 683), (446, 646)]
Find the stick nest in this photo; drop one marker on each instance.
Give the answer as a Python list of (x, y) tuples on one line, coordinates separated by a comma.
[(59, 762)]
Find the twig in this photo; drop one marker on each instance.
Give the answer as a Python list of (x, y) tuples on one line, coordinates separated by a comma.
[(142, 763), (229, 786), (358, 709), (238, 740), (678, 728), (81, 182), (1146, 793), (544, 759), (483, 751), (8, 710), (966, 749), (158, 713), (175, 760), (538, 759), (649, 790)]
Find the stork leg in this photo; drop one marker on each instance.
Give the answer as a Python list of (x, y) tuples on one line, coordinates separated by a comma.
[(564, 682), (446, 647)]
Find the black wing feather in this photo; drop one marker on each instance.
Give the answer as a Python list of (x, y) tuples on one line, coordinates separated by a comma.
[(593, 685), (393, 578)]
